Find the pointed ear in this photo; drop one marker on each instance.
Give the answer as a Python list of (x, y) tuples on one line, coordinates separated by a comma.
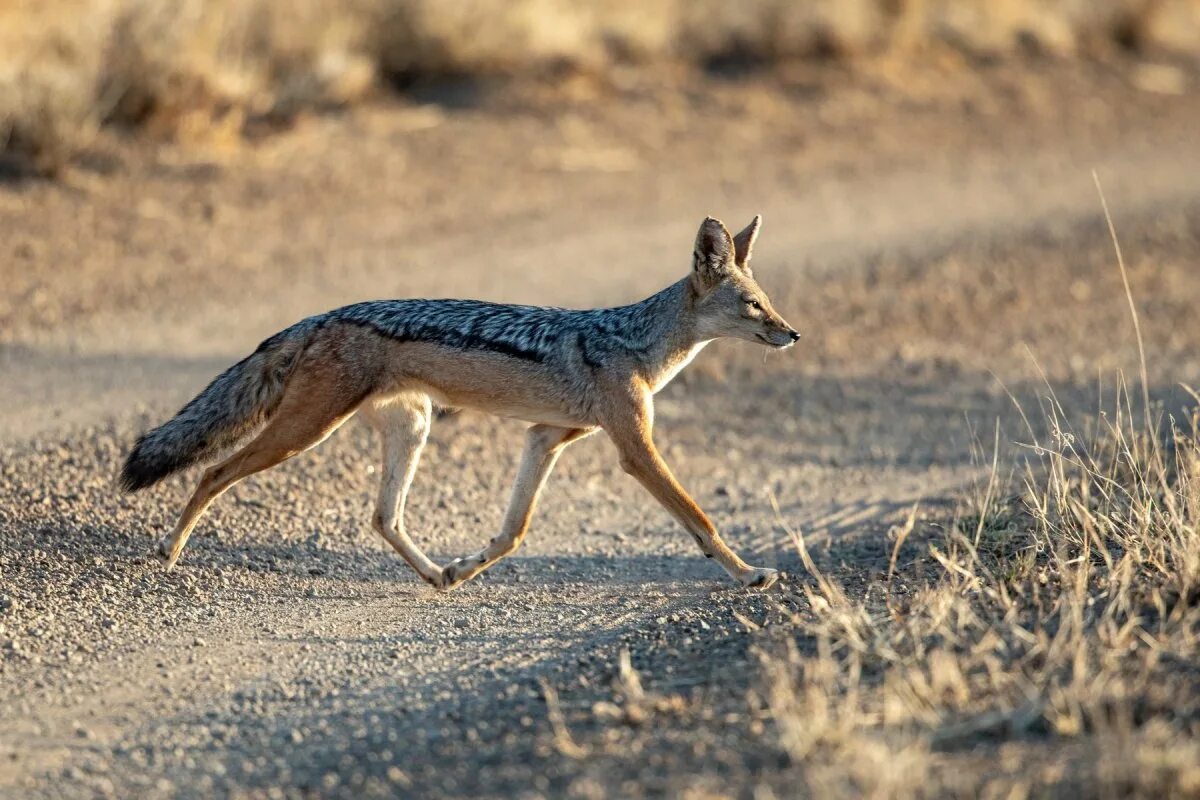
[(743, 243), (712, 259)]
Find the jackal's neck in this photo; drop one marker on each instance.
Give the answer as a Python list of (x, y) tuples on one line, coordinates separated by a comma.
[(663, 330)]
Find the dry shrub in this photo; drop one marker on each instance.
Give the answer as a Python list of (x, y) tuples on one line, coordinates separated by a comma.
[(50, 61), (175, 61), (415, 38), (186, 68)]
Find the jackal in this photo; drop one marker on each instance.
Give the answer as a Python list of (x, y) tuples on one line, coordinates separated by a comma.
[(569, 372)]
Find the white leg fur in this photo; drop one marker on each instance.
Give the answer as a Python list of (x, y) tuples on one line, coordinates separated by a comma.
[(543, 444), (404, 427)]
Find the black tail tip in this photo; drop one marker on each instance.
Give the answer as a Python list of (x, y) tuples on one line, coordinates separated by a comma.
[(134, 477), (141, 472)]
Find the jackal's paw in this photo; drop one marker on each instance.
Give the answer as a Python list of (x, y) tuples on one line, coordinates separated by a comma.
[(434, 579), (761, 578), (162, 552), (452, 575)]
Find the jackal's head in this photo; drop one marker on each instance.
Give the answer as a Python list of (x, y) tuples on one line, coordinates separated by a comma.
[(729, 302)]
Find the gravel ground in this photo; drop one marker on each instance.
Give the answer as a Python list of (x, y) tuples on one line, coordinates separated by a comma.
[(920, 244)]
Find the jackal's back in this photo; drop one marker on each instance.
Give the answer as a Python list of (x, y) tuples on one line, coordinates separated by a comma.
[(531, 333)]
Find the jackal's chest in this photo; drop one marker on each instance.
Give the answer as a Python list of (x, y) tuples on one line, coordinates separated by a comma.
[(673, 365)]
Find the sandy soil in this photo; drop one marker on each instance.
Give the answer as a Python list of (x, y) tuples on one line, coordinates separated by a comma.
[(927, 237)]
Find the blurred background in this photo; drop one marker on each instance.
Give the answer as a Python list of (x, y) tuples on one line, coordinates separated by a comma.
[(210, 68)]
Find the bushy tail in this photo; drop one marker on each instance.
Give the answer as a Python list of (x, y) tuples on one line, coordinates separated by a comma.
[(238, 402)]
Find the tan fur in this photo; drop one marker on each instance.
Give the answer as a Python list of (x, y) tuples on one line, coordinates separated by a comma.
[(395, 383)]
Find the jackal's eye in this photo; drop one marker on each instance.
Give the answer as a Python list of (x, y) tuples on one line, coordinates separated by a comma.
[(757, 306)]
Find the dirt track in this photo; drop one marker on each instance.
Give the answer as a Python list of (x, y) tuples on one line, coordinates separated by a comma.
[(919, 244)]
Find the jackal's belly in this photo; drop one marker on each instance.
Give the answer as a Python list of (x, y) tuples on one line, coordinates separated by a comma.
[(495, 383), (528, 409)]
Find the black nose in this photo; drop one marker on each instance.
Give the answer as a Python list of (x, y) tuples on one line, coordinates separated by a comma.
[(795, 335)]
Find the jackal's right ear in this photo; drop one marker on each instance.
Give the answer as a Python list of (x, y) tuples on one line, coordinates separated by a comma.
[(712, 259)]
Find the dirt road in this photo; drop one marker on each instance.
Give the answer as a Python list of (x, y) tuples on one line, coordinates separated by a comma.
[(920, 245)]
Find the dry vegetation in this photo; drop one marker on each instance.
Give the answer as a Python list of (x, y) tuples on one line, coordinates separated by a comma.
[(1070, 610), (215, 68), (1064, 619)]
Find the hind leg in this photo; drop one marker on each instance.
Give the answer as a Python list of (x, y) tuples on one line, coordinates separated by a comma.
[(404, 426), (313, 408)]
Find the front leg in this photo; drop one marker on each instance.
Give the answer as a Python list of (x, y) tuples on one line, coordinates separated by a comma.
[(630, 427), (543, 443)]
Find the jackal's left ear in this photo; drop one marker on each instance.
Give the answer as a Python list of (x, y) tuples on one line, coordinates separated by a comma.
[(712, 260), (743, 243)]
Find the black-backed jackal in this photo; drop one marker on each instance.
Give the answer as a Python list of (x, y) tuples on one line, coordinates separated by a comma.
[(568, 372)]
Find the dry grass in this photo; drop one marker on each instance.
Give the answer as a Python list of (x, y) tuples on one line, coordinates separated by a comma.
[(210, 68), (1065, 619)]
